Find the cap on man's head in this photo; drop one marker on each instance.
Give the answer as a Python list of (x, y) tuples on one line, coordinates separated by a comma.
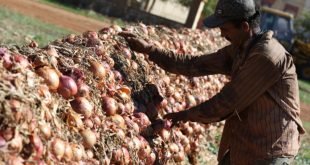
[(230, 10)]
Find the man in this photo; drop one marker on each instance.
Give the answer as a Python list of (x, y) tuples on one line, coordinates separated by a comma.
[(260, 104)]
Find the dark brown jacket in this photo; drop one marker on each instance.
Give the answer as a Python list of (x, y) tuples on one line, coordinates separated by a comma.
[(260, 103)]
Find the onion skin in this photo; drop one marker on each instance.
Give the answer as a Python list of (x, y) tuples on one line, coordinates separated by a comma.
[(50, 77), (67, 87), (83, 106)]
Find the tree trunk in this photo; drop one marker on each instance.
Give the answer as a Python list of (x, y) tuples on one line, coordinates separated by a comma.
[(152, 5), (194, 14)]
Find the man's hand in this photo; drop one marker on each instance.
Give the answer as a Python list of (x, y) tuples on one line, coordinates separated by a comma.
[(177, 117), (135, 43)]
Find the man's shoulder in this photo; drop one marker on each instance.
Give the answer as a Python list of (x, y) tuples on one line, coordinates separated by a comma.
[(269, 47)]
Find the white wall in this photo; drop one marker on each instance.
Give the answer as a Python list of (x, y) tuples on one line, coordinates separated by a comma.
[(170, 10)]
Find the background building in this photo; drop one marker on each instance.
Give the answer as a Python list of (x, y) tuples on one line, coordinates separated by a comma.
[(295, 7)]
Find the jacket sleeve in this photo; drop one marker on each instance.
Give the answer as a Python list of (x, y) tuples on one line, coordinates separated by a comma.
[(253, 79), (216, 63)]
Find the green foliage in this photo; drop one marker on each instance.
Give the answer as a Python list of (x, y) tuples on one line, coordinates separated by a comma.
[(303, 93), (302, 26)]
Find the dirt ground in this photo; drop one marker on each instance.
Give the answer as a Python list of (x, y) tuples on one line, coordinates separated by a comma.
[(77, 23), (305, 112), (53, 15)]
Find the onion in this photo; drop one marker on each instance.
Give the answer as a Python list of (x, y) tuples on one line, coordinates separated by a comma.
[(127, 53), (132, 125), (83, 90), (118, 76), (7, 62), (45, 129), (174, 148), (58, 148), (98, 69), (2, 141), (89, 154), (126, 156), (179, 157), (121, 108), (150, 159), (74, 120), (117, 156), (78, 152), (119, 120), (38, 145), (71, 38), (16, 144), (142, 120), (89, 123), (50, 77), (67, 87), (21, 60), (33, 44), (190, 101), (164, 134), (97, 120), (117, 28), (15, 160), (68, 155), (120, 134), (7, 133), (83, 106), (89, 138), (109, 105)]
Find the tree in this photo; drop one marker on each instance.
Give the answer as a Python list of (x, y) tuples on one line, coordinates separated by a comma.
[(208, 9), (302, 26)]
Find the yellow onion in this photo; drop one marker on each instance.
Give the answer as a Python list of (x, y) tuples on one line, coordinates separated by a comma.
[(45, 129), (58, 148), (89, 138), (119, 120), (50, 77), (174, 148), (78, 152), (68, 155), (98, 69)]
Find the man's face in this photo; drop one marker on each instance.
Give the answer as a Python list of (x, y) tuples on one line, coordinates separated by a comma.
[(235, 35)]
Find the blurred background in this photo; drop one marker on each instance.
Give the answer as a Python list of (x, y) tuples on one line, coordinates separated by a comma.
[(22, 21)]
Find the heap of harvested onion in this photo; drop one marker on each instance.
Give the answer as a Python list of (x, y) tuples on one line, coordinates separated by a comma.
[(90, 99)]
